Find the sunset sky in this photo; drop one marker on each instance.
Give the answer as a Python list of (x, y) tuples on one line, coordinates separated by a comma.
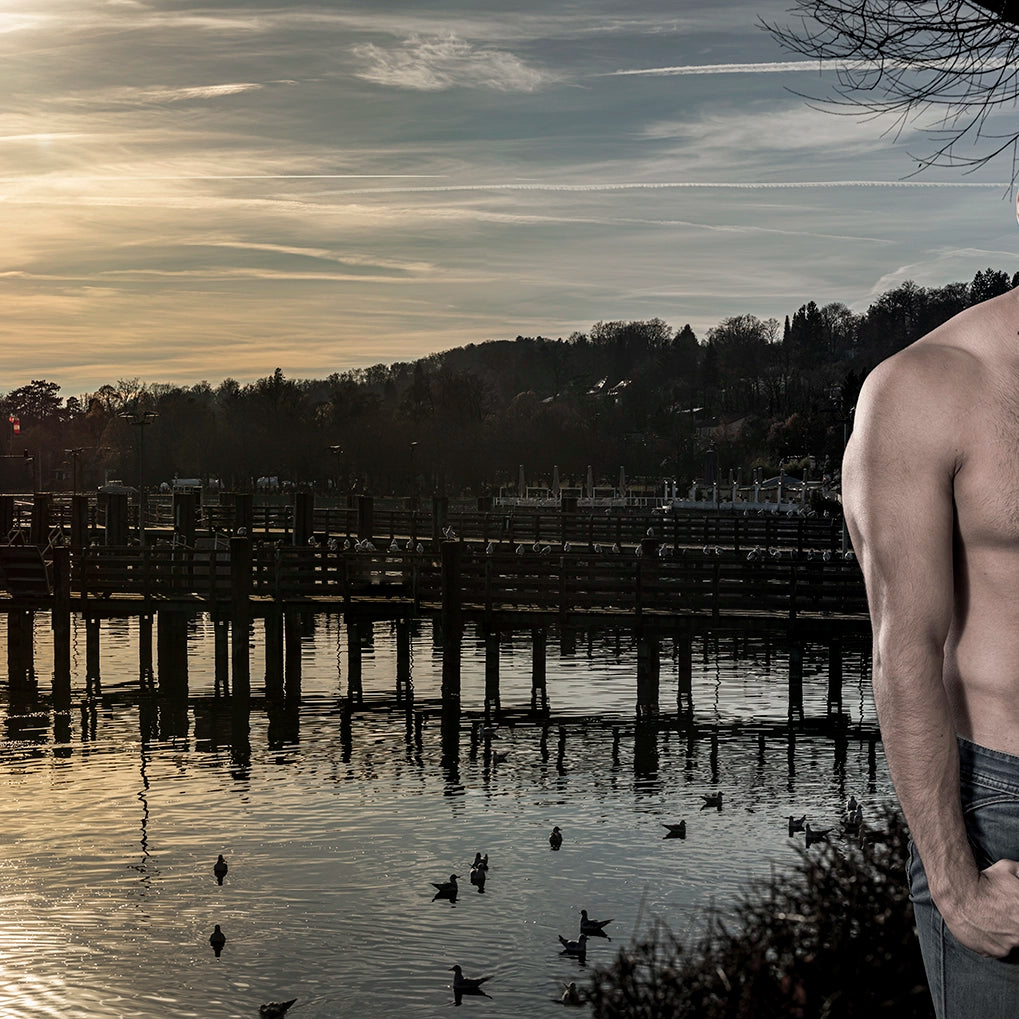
[(203, 192)]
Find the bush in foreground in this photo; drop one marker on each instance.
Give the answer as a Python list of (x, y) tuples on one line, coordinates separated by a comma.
[(832, 938)]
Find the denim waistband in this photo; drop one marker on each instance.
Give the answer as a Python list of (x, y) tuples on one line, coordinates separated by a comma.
[(990, 766)]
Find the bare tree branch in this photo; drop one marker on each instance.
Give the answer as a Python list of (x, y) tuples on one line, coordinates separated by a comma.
[(953, 61)]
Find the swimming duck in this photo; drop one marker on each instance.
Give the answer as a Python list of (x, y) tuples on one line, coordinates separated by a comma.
[(555, 838), (446, 888), (578, 947), (796, 823), (274, 1009), (219, 868), (815, 835), (467, 985), (480, 862), (712, 800), (217, 939), (676, 831), (589, 926), (571, 996)]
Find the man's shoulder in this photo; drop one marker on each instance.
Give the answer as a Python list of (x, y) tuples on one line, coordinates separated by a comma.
[(941, 368)]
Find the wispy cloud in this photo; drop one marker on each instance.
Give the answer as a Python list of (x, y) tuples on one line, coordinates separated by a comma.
[(434, 64)]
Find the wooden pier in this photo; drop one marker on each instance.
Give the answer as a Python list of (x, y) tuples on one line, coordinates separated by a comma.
[(658, 592)]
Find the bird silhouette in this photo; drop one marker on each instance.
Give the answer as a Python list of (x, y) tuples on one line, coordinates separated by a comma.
[(467, 985), (815, 835), (555, 838), (676, 831), (796, 823), (446, 889), (219, 868), (711, 800), (274, 1009), (571, 996), (217, 939), (576, 948), (589, 926)]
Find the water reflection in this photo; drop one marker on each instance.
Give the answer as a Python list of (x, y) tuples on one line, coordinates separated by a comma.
[(338, 816)]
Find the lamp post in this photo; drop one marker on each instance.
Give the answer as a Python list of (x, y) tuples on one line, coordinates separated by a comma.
[(139, 419)]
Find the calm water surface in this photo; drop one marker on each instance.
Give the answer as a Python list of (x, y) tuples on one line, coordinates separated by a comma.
[(110, 832)]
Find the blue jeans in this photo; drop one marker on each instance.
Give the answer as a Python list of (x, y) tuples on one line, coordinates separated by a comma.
[(962, 982)]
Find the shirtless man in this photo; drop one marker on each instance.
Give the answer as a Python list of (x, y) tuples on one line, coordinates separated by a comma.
[(931, 495)]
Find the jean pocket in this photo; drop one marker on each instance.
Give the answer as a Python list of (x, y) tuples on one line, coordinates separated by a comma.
[(992, 824)]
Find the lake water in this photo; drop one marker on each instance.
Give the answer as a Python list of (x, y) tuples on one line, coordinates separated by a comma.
[(334, 836)]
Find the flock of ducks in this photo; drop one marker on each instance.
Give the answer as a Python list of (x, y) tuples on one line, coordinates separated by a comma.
[(573, 947)]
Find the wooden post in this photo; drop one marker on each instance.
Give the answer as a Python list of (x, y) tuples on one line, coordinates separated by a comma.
[(93, 680), (354, 691), (240, 615), (115, 531), (146, 675), (404, 681), (20, 624), (171, 654), (221, 639), (79, 522), (60, 616), (40, 529), (683, 650), (648, 672), (274, 653), (185, 517), (452, 620), (292, 656), (796, 679), (539, 691), (835, 676), (304, 517), (365, 513), (492, 702)]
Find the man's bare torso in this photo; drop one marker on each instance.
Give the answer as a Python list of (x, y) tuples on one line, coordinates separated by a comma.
[(980, 351)]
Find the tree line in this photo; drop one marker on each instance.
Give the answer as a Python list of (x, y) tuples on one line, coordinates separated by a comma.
[(638, 394)]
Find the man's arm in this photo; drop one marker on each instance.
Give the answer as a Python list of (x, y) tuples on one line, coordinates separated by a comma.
[(897, 484)]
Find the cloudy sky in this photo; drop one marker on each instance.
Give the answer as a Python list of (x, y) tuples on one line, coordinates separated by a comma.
[(201, 192)]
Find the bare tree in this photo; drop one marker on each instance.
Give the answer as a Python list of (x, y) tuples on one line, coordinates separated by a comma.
[(957, 60)]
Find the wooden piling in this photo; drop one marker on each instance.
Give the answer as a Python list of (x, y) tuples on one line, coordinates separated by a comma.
[(304, 517), (60, 615), (683, 650), (292, 655), (93, 679), (493, 639), (354, 691), (274, 652), (240, 615), (404, 681), (539, 656), (835, 676), (451, 619), (648, 673), (221, 640), (20, 669), (171, 654), (79, 522), (146, 673), (40, 528), (365, 514), (796, 679)]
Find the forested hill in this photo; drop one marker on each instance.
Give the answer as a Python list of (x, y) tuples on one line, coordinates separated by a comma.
[(644, 395)]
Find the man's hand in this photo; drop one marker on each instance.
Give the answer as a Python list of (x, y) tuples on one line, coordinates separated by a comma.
[(986, 918)]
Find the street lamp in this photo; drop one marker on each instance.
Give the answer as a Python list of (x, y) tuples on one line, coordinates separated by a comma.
[(140, 419)]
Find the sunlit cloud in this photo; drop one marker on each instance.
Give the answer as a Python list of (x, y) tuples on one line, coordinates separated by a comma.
[(443, 62)]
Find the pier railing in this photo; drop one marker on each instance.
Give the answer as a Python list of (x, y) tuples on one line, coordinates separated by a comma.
[(687, 581)]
